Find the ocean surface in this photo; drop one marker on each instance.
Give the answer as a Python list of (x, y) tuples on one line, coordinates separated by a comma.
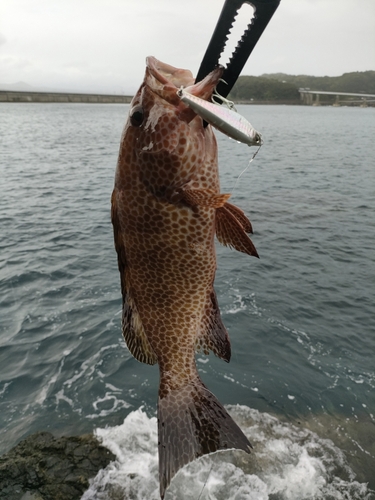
[(301, 382)]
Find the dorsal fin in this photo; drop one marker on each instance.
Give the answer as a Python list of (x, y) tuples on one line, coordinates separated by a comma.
[(119, 246), (230, 231), (134, 334), (213, 335), (132, 328)]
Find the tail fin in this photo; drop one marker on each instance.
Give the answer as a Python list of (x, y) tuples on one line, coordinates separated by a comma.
[(191, 423)]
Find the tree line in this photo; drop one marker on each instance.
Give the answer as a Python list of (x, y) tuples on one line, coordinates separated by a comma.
[(284, 87)]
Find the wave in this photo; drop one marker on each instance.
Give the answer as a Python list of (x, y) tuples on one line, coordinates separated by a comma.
[(288, 463)]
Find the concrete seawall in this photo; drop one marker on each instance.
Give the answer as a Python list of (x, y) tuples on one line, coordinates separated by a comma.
[(15, 96)]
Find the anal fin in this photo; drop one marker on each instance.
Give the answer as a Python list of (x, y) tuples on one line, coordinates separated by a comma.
[(213, 335)]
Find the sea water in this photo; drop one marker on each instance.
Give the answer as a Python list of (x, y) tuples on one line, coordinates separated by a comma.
[(301, 380)]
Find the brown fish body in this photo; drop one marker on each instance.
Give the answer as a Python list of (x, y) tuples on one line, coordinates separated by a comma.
[(166, 207)]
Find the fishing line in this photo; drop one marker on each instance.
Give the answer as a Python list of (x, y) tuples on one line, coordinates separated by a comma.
[(209, 472), (244, 170)]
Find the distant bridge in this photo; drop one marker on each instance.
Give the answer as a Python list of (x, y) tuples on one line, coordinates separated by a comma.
[(307, 97)]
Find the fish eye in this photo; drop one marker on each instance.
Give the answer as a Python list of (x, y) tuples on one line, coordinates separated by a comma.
[(136, 116)]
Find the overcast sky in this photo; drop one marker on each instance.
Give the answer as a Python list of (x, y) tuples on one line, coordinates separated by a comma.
[(101, 45)]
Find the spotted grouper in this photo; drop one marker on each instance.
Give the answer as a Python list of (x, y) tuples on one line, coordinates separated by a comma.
[(166, 209)]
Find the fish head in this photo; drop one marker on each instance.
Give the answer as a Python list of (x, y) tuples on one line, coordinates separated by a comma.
[(164, 140)]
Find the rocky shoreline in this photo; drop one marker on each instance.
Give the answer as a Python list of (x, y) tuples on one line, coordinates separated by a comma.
[(43, 467)]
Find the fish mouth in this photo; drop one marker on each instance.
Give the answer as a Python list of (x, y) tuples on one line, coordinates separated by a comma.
[(165, 80), (167, 74)]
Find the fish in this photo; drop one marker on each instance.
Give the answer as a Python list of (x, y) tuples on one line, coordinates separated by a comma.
[(166, 208)]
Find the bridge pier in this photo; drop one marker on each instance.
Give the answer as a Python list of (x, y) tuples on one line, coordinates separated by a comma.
[(306, 98), (336, 104), (317, 100)]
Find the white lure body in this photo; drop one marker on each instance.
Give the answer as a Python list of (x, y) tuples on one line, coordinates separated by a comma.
[(227, 120)]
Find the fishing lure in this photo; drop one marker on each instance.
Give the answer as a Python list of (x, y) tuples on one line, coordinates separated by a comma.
[(224, 118)]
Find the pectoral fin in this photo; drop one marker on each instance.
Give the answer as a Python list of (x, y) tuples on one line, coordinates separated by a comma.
[(132, 328), (213, 335), (240, 216), (231, 230), (204, 198)]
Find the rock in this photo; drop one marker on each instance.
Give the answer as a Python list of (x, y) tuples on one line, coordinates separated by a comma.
[(43, 467)]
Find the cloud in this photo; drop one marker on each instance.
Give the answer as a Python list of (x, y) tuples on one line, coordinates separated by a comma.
[(91, 43)]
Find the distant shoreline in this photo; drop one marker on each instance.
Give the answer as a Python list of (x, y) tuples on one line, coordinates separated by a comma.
[(70, 97), (15, 96), (62, 97)]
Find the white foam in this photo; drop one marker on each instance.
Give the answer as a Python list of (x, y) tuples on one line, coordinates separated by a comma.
[(203, 360), (107, 404), (89, 366), (60, 396), (238, 305), (134, 473), (288, 463), (5, 387)]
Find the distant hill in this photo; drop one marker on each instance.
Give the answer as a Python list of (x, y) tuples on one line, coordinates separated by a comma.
[(284, 87), (273, 87), (24, 87), (18, 86)]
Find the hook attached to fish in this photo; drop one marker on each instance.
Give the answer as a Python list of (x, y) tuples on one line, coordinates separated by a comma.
[(223, 117)]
